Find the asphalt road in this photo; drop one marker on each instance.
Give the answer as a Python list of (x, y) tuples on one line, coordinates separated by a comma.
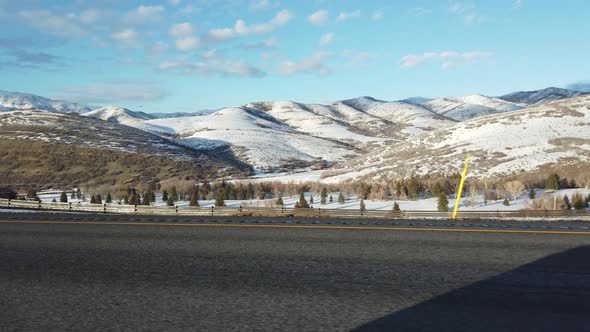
[(92, 276)]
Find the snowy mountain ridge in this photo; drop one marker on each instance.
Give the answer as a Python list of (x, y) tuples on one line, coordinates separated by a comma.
[(10, 101)]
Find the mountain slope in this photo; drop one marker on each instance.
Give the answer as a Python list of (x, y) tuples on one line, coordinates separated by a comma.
[(254, 136), (469, 107), (508, 143), (11, 101), (48, 148), (120, 115), (541, 96)]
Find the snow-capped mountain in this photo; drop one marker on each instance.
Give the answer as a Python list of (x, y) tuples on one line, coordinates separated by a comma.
[(255, 137), (361, 133), (556, 133), (541, 96), (120, 115), (469, 107), (10, 101), (161, 115)]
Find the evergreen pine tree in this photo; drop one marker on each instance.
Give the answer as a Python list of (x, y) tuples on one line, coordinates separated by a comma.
[(219, 201), (331, 199), (340, 198), (109, 198), (310, 199), (126, 200), (53, 201), (302, 202), (194, 198), (280, 201), (78, 193), (63, 197), (552, 182), (578, 202), (396, 206), (532, 193), (324, 196), (146, 199), (443, 202), (98, 199), (174, 194), (152, 196), (73, 195), (170, 201), (565, 203), (362, 205), (92, 199), (506, 202), (165, 196)]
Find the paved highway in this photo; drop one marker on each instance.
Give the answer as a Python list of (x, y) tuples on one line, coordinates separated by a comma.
[(58, 274)]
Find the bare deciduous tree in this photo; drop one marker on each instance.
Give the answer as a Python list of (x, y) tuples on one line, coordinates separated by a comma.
[(514, 188)]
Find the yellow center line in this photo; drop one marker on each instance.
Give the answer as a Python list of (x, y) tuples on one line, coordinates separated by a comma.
[(373, 228)]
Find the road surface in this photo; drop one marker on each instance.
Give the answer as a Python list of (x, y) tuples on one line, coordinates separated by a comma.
[(59, 274)]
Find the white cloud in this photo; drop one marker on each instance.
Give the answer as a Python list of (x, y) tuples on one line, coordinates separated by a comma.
[(188, 10), (46, 21), (127, 37), (310, 65), (144, 14), (420, 11), (282, 17), (187, 43), (241, 28), (319, 18), (263, 4), (213, 65), (467, 10), (475, 19), (159, 47), (221, 34), (517, 4), (181, 30), (326, 39), (451, 59), (345, 16), (261, 45), (174, 2), (114, 94), (356, 59), (377, 15), (90, 16), (459, 7)]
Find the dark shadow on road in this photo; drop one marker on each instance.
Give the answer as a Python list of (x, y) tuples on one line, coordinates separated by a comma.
[(550, 294)]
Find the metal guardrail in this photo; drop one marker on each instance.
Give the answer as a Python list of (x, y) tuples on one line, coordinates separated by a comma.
[(283, 212)]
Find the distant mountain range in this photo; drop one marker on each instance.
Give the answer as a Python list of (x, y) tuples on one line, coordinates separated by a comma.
[(353, 138)]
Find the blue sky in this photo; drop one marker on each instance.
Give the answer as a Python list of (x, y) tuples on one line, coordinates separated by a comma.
[(186, 55)]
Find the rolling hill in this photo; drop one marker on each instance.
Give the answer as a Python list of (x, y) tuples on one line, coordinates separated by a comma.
[(518, 142), (12, 101), (51, 148)]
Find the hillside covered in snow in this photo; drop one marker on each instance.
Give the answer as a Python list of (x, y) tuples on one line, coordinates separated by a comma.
[(351, 138), (12, 101), (556, 133)]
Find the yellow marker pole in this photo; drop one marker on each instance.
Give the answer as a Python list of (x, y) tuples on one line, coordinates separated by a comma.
[(460, 189)]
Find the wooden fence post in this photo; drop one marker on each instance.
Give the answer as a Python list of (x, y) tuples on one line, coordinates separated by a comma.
[(176, 209), (104, 207), (212, 209)]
